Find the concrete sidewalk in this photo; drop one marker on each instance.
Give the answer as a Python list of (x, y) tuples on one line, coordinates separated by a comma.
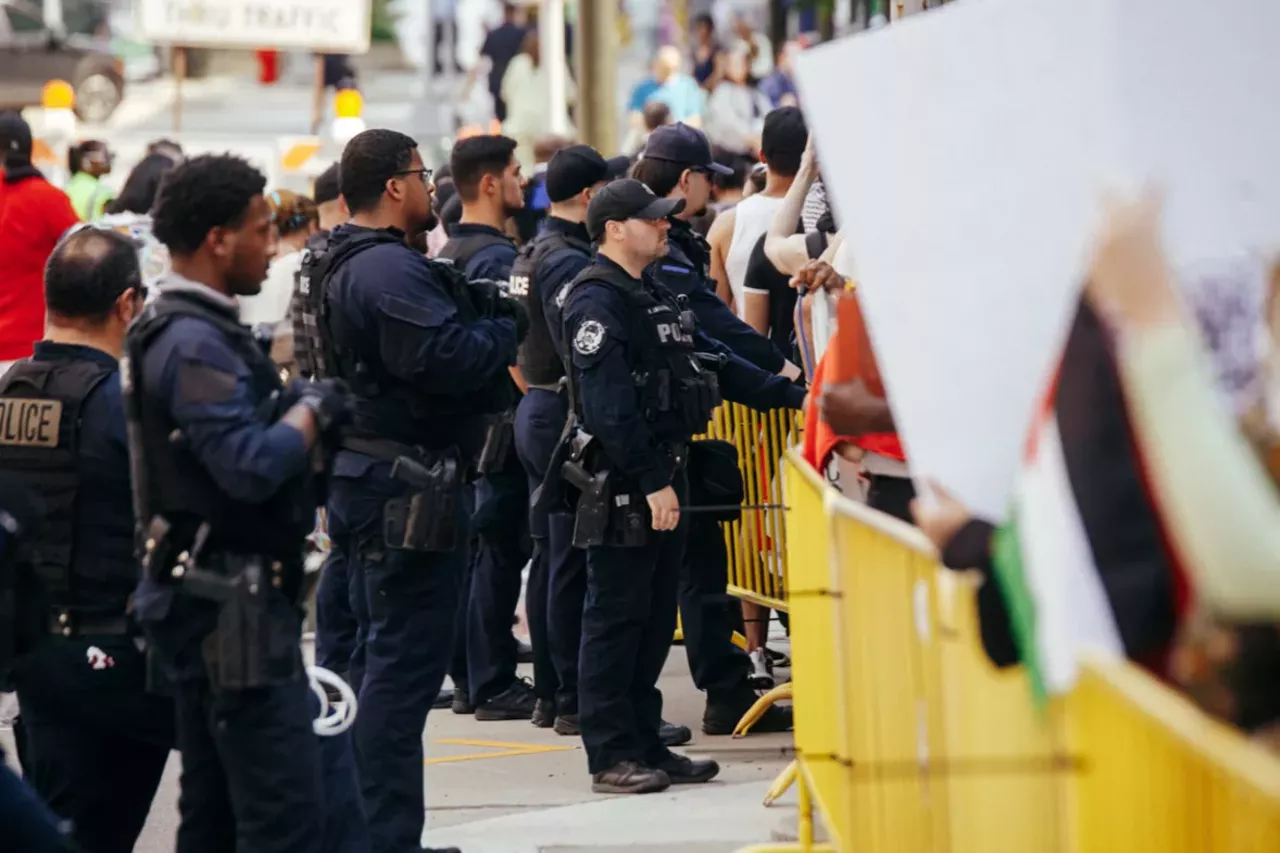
[(508, 787)]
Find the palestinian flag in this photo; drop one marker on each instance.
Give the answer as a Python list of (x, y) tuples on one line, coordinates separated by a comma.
[(1046, 555)]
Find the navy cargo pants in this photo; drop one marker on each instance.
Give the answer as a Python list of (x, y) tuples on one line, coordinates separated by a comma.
[(558, 574), (405, 604), (627, 624)]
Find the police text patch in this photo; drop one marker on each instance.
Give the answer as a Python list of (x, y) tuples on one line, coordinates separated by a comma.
[(29, 423), (589, 338)]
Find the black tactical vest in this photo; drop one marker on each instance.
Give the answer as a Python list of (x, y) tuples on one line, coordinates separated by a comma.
[(676, 394), (169, 481), (539, 362), (461, 250), (40, 429), (370, 382), (308, 346)]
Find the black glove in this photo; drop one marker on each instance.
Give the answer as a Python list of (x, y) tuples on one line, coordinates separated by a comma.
[(507, 307), (486, 295), (332, 403)]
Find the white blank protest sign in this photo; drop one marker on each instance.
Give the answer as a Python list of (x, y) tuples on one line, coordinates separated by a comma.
[(967, 150)]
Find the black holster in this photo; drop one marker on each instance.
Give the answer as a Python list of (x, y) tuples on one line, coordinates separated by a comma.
[(499, 438), (255, 643), (608, 513), (426, 518)]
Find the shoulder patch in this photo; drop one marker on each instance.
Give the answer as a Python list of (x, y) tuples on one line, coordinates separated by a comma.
[(563, 293), (589, 337)]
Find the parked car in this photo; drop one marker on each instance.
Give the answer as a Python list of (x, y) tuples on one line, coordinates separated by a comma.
[(32, 54)]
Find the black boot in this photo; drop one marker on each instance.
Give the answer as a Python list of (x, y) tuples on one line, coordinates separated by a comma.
[(544, 713), (725, 709), (673, 735), (682, 770), (567, 724), (514, 703), (462, 701), (630, 777)]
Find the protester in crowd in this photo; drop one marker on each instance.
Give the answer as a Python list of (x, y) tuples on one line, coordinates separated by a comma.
[(726, 191), (655, 114), (707, 53), (735, 110), (526, 88), (500, 46), (34, 214), (169, 148), (759, 50), (89, 162), (130, 213), (780, 86)]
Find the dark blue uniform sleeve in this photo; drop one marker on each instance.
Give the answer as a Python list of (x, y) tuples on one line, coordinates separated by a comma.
[(557, 271), (594, 321), (743, 382), (206, 387), (423, 340), (492, 262), (717, 320)]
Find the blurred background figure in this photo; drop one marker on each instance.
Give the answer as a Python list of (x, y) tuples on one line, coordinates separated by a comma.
[(130, 213), (89, 162), (677, 89), (34, 214), (501, 45), (707, 53), (295, 218), (779, 86), (526, 89), (736, 110), (758, 47)]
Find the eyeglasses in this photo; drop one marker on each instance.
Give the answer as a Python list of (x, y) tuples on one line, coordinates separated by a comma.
[(423, 174)]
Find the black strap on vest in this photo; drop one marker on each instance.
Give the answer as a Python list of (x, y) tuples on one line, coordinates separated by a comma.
[(461, 250)]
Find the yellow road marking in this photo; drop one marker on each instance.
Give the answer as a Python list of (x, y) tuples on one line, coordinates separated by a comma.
[(507, 750)]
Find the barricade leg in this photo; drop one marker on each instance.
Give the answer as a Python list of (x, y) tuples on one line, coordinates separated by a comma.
[(782, 784), (782, 691)]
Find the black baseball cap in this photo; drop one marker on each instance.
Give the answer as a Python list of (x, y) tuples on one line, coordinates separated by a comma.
[(15, 137), (627, 199), (688, 146), (328, 185), (576, 168)]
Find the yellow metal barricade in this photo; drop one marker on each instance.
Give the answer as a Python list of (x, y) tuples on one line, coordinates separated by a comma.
[(909, 740), (757, 542)]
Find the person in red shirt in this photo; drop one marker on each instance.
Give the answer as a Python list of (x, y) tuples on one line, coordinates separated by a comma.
[(34, 215)]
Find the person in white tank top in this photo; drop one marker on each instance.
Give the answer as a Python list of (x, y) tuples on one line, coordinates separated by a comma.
[(735, 233)]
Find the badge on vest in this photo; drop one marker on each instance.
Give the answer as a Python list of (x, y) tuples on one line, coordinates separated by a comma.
[(589, 337), (30, 423)]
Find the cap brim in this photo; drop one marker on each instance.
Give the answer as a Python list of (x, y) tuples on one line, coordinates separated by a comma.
[(719, 168), (661, 209)]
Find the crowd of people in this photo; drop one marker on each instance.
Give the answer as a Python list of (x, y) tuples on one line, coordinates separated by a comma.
[(501, 367)]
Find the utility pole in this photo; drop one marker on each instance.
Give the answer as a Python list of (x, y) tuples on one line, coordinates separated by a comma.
[(597, 44)]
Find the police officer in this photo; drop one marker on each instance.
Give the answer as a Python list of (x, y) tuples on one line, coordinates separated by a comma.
[(644, 380), (427, 361), (557, 573), (95, 741), (487, 177), (224, 494), (677, 163)]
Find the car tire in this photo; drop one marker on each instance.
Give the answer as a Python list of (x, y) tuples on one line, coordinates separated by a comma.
[(98, 93)]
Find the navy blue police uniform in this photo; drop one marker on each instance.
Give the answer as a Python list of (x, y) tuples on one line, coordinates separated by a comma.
[(708, 613), (641, 392), (95, 741), (426, 368), (557, 572), (487, 654), (225, 495)]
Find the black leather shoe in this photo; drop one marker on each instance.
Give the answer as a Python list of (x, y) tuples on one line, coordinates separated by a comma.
[(724, 710), (444, 700), (544, 713), (567, 724), (630, 777), (673, 735), (682, 770), (514, 703), (462, 701)]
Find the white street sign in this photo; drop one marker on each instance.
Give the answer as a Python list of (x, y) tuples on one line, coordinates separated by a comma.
[(330, 26)]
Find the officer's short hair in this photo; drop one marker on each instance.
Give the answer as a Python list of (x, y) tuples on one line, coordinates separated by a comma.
[(477, 156), (783, 140), (213, 191), (661, 176), (87, 272), (370, 159)]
